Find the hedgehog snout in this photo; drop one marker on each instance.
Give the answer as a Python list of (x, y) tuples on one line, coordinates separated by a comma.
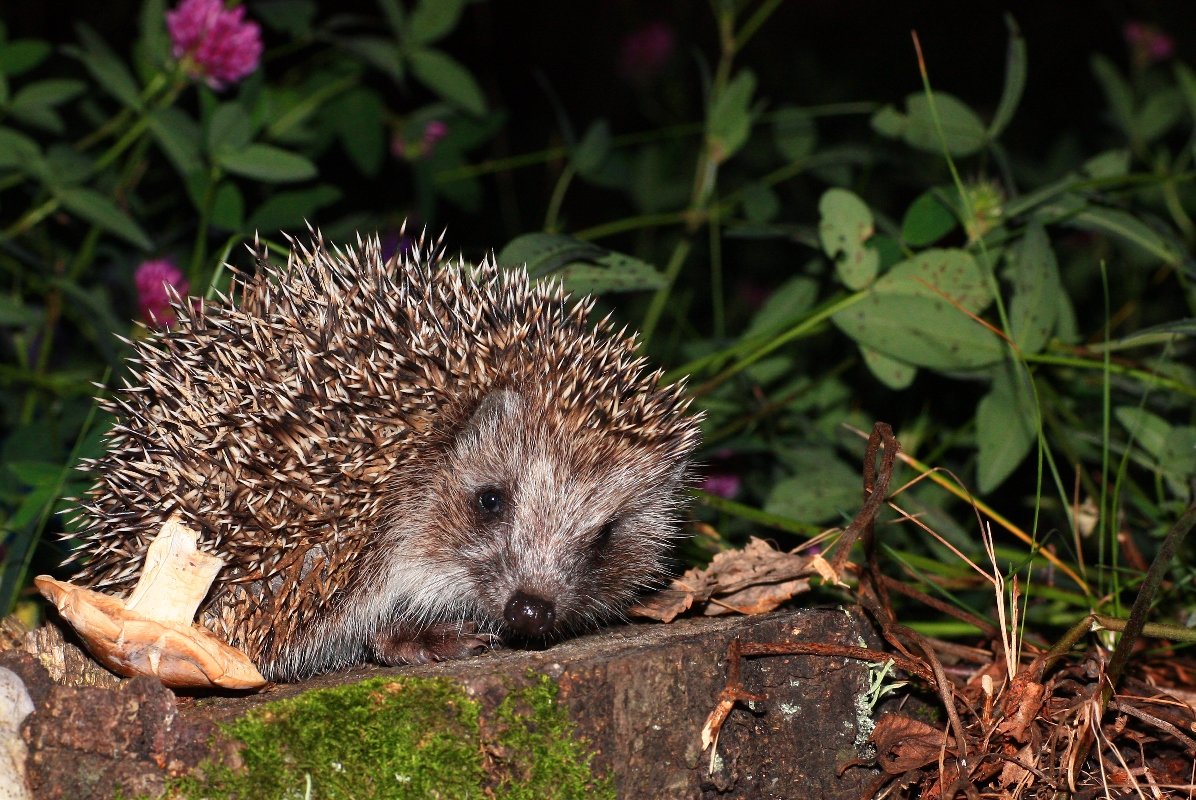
[(530, 616)]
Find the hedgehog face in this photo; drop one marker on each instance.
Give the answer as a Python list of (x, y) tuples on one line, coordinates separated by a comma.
[(554, 531)]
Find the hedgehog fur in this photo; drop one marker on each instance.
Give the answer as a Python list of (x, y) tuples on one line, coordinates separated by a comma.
[(398, 461)]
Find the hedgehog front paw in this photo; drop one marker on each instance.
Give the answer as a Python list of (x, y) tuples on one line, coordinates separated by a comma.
[(402, 644)]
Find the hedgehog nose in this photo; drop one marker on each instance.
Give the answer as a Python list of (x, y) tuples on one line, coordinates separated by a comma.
[(529, 615)]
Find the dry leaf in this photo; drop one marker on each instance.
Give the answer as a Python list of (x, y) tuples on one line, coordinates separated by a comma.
[(150, 633), (904, 743), (754, 579)]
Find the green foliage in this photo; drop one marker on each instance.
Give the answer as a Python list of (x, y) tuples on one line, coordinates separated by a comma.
[(109, 158), (404, 737), (1022, 314)]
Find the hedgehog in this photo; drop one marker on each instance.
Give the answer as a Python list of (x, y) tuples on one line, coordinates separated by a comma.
[(400, 460)]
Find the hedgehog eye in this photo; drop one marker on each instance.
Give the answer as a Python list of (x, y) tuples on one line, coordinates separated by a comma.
[(491, 501), (604, 534)]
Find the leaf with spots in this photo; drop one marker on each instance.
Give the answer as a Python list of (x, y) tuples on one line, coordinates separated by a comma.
[(844, 231), (920, 331), (1038, 294), (889, 371)]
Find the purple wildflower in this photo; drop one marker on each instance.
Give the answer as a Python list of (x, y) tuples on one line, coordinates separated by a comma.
[(215, 44), (722, 485), (1148, 43), (151, 279), (434, 131), (645, 52)]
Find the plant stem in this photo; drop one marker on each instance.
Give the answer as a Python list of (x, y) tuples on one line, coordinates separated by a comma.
[(558, 197), (31, 217), (749, 28), (803, 328), (680, 251), (1146, 592), (199, 250), (705, 172)]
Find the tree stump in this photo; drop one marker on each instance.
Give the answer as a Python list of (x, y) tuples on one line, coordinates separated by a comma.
[(636, 696)]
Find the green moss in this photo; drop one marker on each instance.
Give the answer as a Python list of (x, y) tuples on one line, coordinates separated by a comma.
[(404, 737), (543, 757), (384, 737)]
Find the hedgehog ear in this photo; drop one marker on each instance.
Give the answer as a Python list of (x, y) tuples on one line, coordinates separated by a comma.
[(494, 406)]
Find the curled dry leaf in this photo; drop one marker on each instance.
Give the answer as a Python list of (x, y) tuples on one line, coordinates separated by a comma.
[(754, 579), (904, 743), (151, 632)]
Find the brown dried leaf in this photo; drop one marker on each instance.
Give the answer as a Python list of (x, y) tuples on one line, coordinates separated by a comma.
[(1021, 707), (664, 606), (756, 599), (181, 656), (754, 579), (150, 633), (904, 743)]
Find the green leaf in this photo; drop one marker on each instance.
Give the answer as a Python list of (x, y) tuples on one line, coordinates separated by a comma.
[(382, 53), (21, 55), (613, 272), (794, 133), (34, 104), (153, 47), (229, 129), (889, 122), (1037, 291), (1186, 79), (228, 207), (292, 17), (179, 136), (927, 220), (267, 163), (1117, 93), (51, 92), (359, 119), (286, 210), (592, 150), (18, 151), (939, 273), (99, 210), (396, 16), (784, 307), (1172, 448), (892, 373), (730, 118), (920, 331), (448, 78), (963, 132), (1109, 164), (16, 314), (1158, 114), (822, 489), (432, 20), (544, 253), (1015, 80), (36, 473), (33, 506), (845, 227), (1127, 228), (91, 311), (760, 203), (1006, 427), (66, 166), (106, 67)]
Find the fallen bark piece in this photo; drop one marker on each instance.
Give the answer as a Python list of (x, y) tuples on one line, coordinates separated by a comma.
[(151, 632)]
